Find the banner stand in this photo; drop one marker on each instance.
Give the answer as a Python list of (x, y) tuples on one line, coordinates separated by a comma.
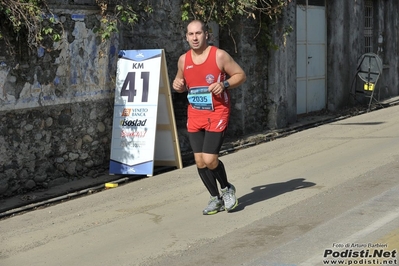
[(144, 131)]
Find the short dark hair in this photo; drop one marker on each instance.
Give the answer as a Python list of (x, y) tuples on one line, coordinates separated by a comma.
[(204, 26)]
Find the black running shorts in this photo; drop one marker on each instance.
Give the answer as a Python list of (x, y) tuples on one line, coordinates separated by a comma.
[(206, 142)]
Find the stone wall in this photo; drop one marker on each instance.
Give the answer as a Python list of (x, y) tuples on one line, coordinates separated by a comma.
[(56, 108), (45, 147)]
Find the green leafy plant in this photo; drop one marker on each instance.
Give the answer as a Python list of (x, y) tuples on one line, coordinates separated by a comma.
[(123, 12), (267, 12), (28, 19), (32, 21)]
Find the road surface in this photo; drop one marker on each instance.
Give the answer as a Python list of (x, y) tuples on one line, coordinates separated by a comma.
[(325, 195)]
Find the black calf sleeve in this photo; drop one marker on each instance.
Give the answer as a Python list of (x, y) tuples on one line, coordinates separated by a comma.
[(209, 181), (220, 174)]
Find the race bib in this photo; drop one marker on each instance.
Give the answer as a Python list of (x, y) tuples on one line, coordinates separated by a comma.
[(200, 98)]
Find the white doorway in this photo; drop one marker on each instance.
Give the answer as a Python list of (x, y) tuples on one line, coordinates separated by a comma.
[(311, 56)]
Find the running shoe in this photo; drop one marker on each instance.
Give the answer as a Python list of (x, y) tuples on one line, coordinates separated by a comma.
[(229, 197), (215, 205)]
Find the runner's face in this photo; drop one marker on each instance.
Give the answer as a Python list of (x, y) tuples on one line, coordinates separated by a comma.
[(195, 36)]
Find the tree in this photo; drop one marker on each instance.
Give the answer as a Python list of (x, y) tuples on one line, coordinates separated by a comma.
[(27, 19), (33, 21), (266, 12)]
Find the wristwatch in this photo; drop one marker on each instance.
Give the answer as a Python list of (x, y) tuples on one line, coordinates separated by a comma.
[(226, 84)]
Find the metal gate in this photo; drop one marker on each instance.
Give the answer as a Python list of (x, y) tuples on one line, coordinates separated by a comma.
[(311, 56)]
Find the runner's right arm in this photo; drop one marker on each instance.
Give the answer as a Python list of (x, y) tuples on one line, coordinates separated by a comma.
[(179, 85)]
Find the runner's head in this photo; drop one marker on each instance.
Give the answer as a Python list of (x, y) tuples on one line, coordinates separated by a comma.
[(197, 35)]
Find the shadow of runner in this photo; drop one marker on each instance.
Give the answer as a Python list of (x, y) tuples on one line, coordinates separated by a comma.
[(261, 193)]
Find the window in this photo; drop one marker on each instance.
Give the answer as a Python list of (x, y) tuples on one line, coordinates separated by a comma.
[(316, 3), (368, 26), (311, 2)]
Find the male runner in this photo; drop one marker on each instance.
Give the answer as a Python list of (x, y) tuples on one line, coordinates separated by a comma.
[(208, 73)]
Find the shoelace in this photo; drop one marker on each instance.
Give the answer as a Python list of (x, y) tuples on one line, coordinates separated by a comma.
[(227, 195), (213, 203), (213, 200)]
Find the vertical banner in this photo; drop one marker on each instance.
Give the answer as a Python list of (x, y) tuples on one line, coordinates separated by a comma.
[(135, 112), (138, 84)]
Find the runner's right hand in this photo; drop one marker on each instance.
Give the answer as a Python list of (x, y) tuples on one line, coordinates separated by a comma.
[(179, 85)]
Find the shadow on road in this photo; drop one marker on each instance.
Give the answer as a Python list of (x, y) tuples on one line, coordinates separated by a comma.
[(359, 124), (265, 192)]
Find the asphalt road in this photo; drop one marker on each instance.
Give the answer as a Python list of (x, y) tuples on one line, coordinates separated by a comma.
[(323, 195)]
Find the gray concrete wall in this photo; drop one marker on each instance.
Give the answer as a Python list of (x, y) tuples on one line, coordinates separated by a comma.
[(388, 24), (345, 38), (343, 49), (281, 83)]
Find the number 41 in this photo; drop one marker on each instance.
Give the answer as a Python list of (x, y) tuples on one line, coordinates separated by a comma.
[(128, 87)]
